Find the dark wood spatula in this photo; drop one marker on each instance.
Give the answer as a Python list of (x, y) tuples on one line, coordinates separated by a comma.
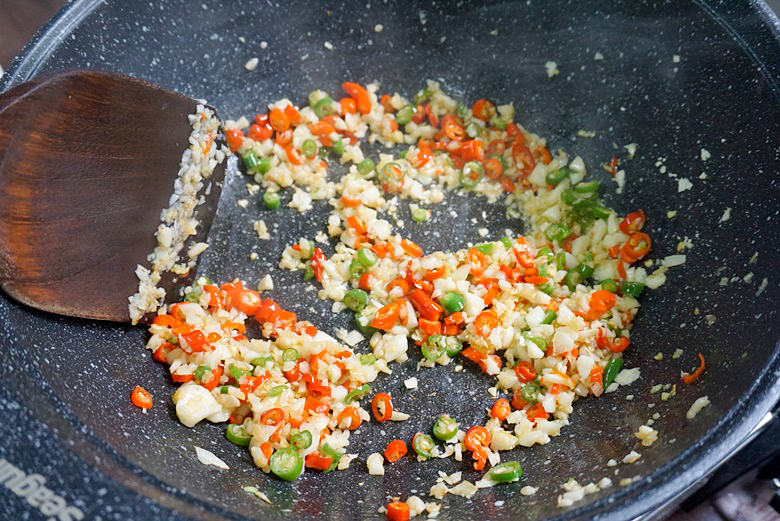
[(88, 161)]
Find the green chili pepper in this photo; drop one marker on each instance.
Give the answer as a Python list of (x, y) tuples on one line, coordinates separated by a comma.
[(365, 168), (324, 152), (461, 110), (584, 207), (236, 372), (473, 130), (423, 445), (405, 114), (560, 261), (632, 288), (364, 325), (251, 161), (367, 257), (324, 107), (223, 389), (333, 453), (308, 273), (193, 296), (568, 196), (420, 215), (549, 316), (531, 392), (290, 354), (504, 162), (357, 394), (309, 148), (453, 302), (587, 187), (600, 212), (543, 270), (338, 147), (557, 232), (506, 472), (540, 342), (486, 248), (356, 268), (393, 175), (355, 299), (497, 122), (422, 96), (316, 96), (471, 175), (277, 390), (544, 252), (609, 285), (547, 288), (287, 464), (368, 359), (453, 346), (556, 176), (434, 347), (445, 427), (238, 435), (611, 371), (507, 242), (261, 361), (585, 270), (264, 165), (301, 440), (200, 372), (572, 278), (271, 200), (402, 154)]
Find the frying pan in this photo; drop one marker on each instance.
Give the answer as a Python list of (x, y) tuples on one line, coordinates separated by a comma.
[(65, 383)]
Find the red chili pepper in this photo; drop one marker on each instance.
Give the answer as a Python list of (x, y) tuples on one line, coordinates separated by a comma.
[(633, 222), (318, 263)]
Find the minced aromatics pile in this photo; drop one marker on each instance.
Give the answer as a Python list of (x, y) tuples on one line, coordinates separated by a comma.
[(548, 314)]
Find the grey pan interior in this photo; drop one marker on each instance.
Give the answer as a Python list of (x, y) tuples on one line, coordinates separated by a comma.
[(65, 383)]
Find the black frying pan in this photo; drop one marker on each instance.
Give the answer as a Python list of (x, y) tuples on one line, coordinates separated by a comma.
[(64, 396)]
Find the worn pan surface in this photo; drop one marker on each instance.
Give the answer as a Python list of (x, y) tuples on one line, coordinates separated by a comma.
[(65, 384)]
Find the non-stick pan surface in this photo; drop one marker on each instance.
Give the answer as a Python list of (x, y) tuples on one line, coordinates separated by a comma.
[(65, 384)]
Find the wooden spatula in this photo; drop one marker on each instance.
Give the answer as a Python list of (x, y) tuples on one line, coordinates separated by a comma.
[(88, 161)]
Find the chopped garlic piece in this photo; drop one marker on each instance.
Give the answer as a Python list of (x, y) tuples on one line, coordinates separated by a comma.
[(647, 435), (262, 230), (684, 184), (399, 416), (265, 284), (697, 406), (209, 458), (375, 464), (632, 457)]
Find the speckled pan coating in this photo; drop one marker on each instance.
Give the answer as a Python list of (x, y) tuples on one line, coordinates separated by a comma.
[(64, 396)]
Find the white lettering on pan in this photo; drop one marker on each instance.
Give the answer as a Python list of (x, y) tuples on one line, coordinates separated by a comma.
[(30, 488)]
